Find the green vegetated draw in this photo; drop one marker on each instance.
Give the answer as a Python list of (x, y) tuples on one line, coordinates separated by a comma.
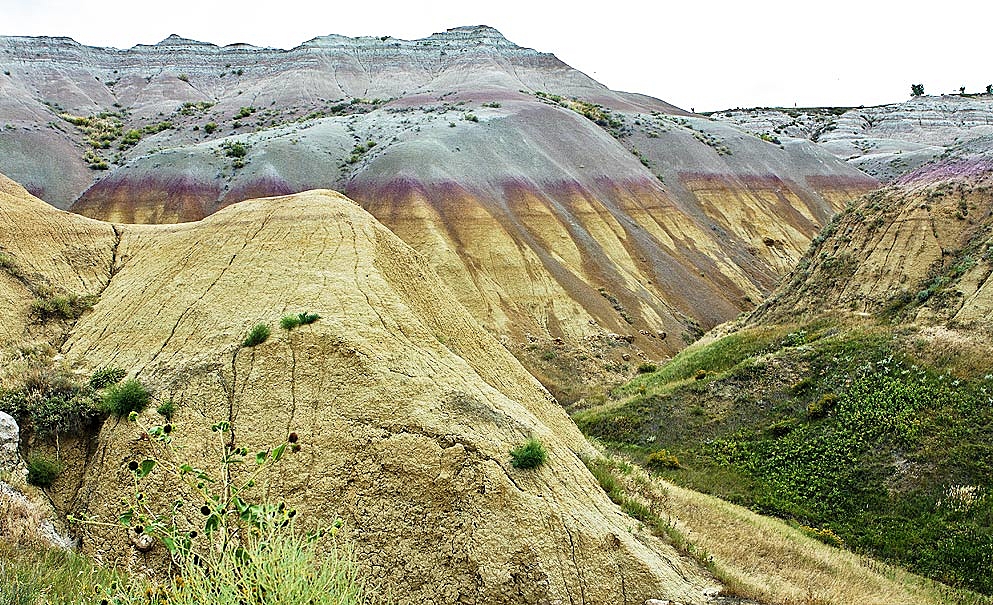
[(843, 429)]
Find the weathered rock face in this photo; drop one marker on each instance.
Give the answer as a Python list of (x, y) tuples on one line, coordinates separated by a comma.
[(885, 142), (10, 435), (918, 250), (551, 205), (405, 407)]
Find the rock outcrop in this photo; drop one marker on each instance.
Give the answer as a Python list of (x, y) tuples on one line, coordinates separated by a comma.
[(885, 142), (918, 250), (405, 407), (10, 435)]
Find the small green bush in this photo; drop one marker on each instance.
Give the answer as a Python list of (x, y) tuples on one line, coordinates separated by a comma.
[(662, 460), (530, 455), (647, 368), (66, 307), (122, 399), (821, 407), (288, 322), (210, 127), (42, 470), (166, 409), (104, 377), (257, 335), (235, 150)]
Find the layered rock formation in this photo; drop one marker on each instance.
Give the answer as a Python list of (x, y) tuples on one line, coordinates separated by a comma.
[(919, 250), (885, 142), (405, 407), (552, 206)]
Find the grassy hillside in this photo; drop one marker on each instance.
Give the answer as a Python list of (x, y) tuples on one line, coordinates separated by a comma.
[(868, 436)]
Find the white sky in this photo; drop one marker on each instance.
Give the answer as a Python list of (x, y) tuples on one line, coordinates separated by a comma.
[(704, 55)]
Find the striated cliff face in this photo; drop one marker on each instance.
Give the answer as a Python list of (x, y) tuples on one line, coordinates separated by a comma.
[(917, 251), (405, 407), (885, 142), (552, 206)]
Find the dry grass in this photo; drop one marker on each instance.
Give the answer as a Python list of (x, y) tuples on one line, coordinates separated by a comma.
[(20, 520), (769, 561), (965, 354)]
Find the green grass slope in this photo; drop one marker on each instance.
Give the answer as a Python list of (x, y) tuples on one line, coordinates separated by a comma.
[(855, 431)]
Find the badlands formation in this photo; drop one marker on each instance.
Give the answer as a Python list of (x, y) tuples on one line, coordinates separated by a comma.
[(405, 407), (551, 206), (885, 142)]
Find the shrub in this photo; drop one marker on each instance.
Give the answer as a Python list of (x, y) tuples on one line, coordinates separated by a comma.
[(166, 409), (122, 399), (104, 377), (66, 307), (662, 460), (647, 368), (288, 322), (257, 335), (42, 470), (235, 150), (700, 374), (821, 407), (530, 455), (210, 127)]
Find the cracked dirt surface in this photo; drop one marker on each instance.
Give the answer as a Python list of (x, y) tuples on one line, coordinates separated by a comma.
[(405, 407)]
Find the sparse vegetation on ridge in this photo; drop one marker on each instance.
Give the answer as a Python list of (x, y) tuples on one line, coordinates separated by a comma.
[(289, 322)]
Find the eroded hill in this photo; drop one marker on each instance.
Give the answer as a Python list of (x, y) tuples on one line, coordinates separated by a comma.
[(552, 206), (405, 408)]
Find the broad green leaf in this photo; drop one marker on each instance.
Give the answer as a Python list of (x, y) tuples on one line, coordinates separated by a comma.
[(145, 467)]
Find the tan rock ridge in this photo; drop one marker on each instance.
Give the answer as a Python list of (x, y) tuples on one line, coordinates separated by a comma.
[(405, 407), (916, 251)]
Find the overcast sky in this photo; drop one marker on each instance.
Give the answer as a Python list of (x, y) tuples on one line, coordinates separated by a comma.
[(701, 55)]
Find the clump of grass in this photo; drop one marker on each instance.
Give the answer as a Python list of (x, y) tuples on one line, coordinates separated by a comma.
[(68, 307), (122, 399), (288, 322), (31, 574), (166, 409), (647, 368), (530, 455), (42, 471), (284, 568), (104, 377), (662, 459), (256, 336)]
